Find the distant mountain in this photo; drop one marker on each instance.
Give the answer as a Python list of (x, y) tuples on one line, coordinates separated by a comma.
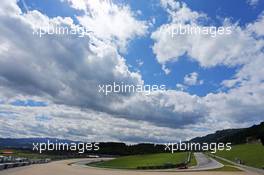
[(26, 142), (235, 136)]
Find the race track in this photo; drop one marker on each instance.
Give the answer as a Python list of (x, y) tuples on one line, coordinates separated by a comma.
[(63, 168), (205, 163)]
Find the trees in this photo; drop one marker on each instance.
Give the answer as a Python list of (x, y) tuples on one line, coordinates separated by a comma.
[(262, 140)]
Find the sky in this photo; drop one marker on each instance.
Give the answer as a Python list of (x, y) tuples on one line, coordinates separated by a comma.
[(49, 84)]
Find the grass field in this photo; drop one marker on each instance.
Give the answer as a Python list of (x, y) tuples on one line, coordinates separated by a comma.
[(132, 162), (193, 161), (250, 154), (227, 166)]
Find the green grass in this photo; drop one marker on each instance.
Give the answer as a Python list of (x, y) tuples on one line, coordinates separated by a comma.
[(250, 154), (193, 161), (132, 162), (219, 160), (227, 166)]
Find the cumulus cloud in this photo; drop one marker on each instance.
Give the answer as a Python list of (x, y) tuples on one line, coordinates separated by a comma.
[(227, 49), (253, 2), (169, 109), (110, 21), (180, 87), (139, 62), (9, 8), (257, 26), (192, 79), (233, 49), (62, 68)]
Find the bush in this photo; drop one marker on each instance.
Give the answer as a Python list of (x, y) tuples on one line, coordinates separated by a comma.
[(165, 166)]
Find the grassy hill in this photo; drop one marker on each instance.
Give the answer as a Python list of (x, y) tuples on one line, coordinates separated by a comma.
[(133, 162), (235, 136), (250, 154)]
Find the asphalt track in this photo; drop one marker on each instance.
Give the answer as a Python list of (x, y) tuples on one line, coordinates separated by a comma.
[(63, 168), (206, 163)]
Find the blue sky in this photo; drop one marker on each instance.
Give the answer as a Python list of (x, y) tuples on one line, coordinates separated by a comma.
[(53, 81)]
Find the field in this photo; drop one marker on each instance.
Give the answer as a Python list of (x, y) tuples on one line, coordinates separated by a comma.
[(250, 154), (193, 161), (132, 162), (227, 166)]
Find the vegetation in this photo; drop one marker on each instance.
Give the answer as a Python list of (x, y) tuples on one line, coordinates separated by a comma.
[(193, 161), (235, 136), (227, 166), (149, 160), (248, 154), (108, 148)]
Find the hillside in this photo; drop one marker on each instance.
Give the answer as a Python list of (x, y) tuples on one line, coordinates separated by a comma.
[(248, 154), (235, 136)]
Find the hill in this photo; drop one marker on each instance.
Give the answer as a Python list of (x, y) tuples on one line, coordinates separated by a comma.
[(248, 154), (235, 136)]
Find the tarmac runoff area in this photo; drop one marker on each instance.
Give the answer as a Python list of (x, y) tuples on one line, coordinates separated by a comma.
[(78, 167)]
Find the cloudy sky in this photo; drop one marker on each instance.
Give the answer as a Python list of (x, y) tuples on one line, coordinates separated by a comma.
[(49, 84)]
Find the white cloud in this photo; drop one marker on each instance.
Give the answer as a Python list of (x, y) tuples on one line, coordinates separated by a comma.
[(77, 65), (230, 50), (209, 51), (139, 62), (9, 8), (257, 27), (180, 87), (109, 21), (77, 4), (81, 124), (253, 2), (170, 4), (192, 79), (166, 70)]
